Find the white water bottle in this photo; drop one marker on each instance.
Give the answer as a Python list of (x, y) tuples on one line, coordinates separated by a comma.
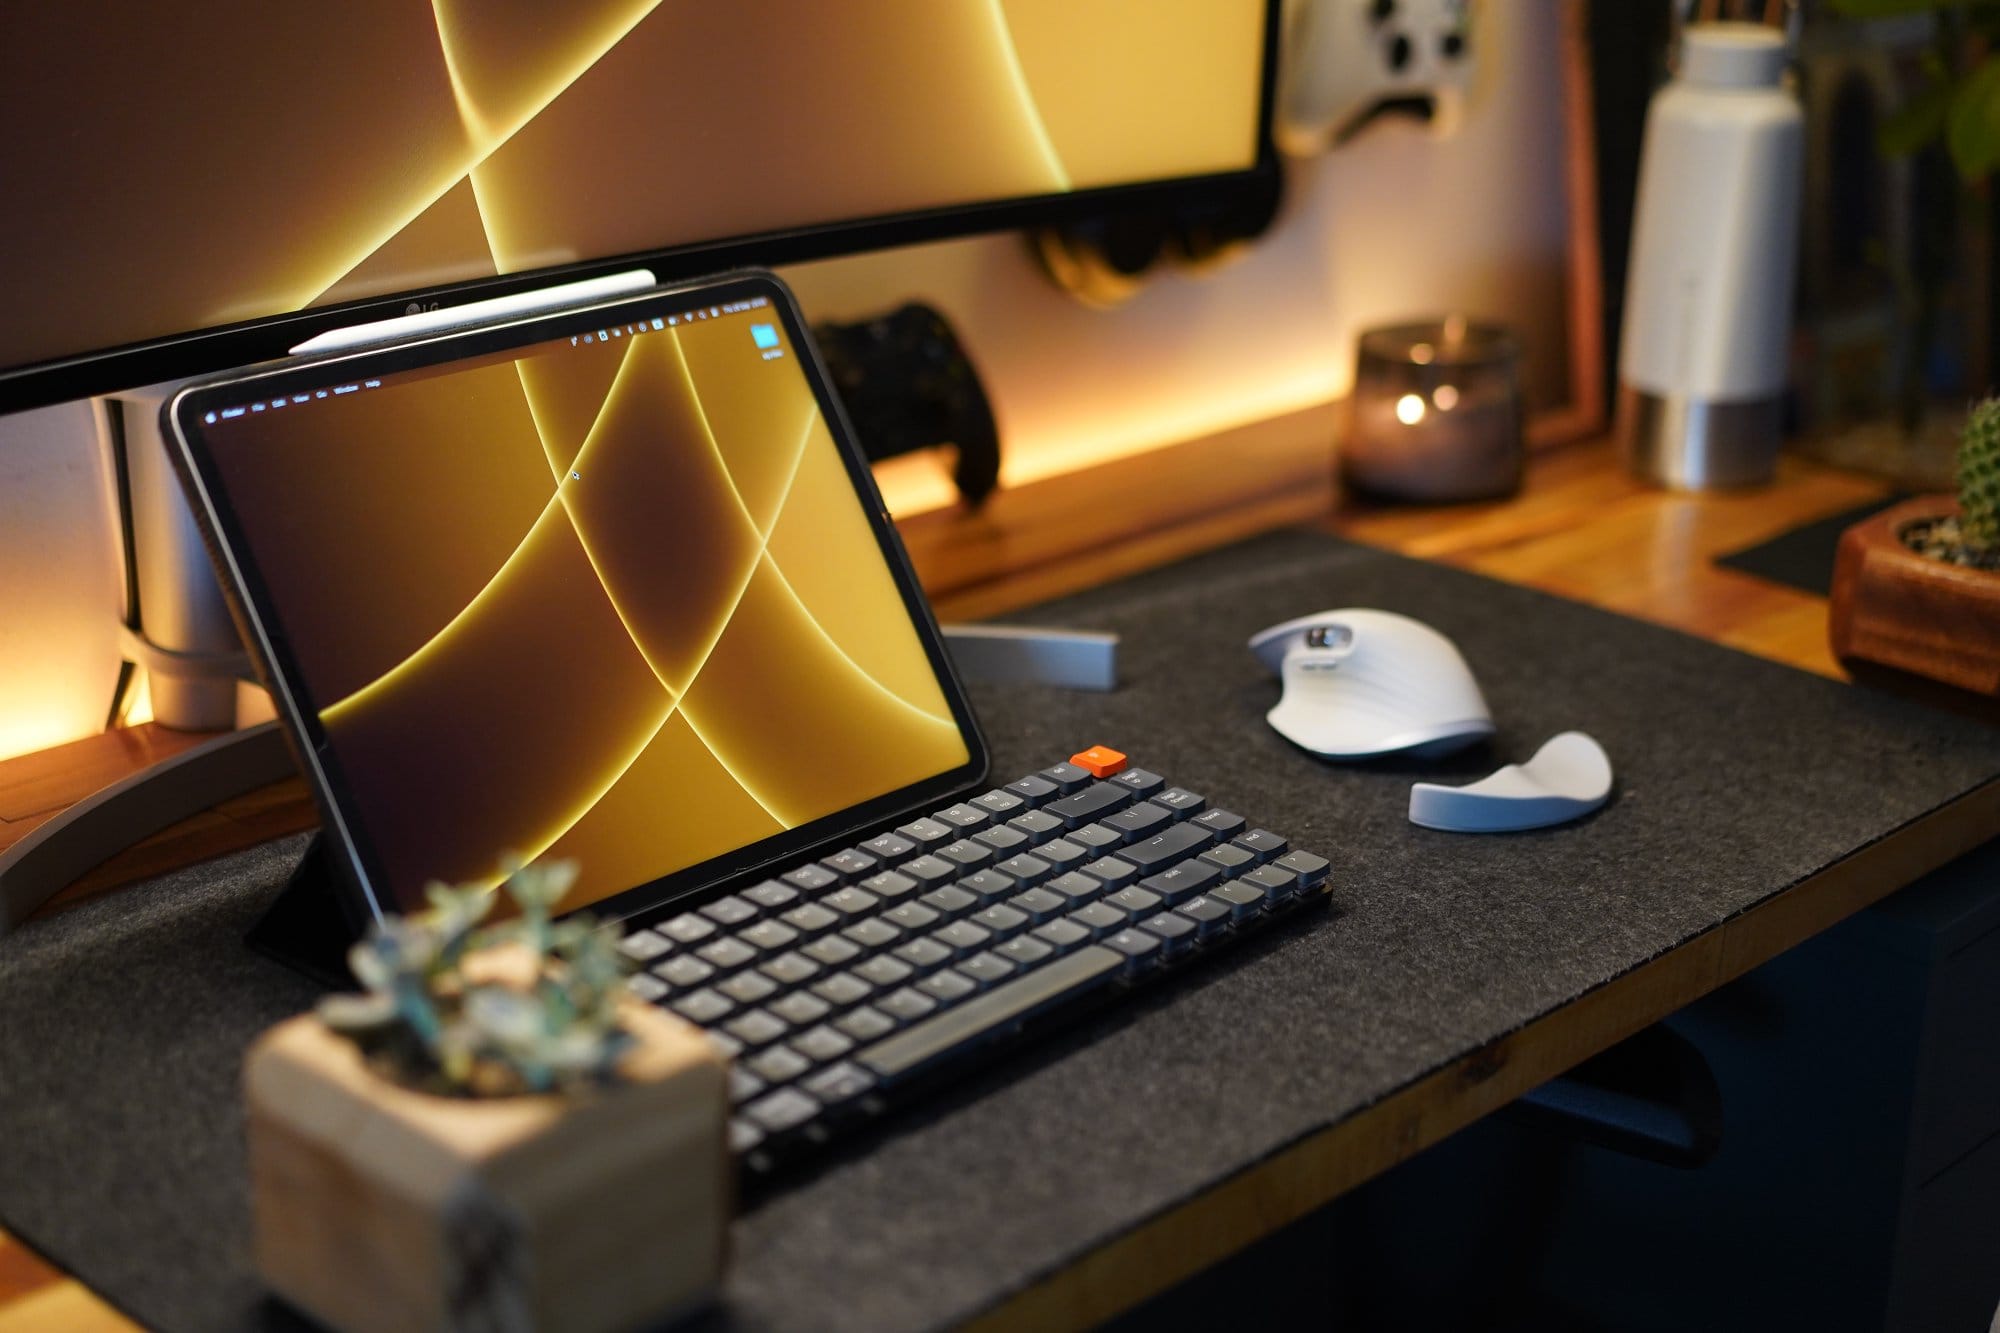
[(1708, 297)]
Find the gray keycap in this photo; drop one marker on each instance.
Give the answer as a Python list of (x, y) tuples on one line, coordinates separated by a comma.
[(1111, 872), (648, 987), (999, 803), (1207, 915), (821, 1044), (1262, 843), (811, 919), (1139, 780), (962, 937), (703, 1006), (1176, 932), (884, 970), (842, 989), (1228, 858), (985, 969), (966, 854), (771, 895), (726, 954), (643, 946), (832, 951), (1003, 840), (906, 1005), (1065, 775), (1099, 919), (1039, 825), (930, 871), (1034, 790), (1089, 805), (963, 817), (947, 986), (1179, 800), (871, 934), (1178, 883), (1310, 869), (1141, 821), (913, 916), (684, 971), (1135, 900), (768, 935), (851, 902), (950, 900), (923, 953), (1222, 823), (800, 1008), (789, 969), (1092, 838), (1026, 869), (1244, 899), (927, 833), (990, 886), (1025, 950), (1171, 844), (1038, 905), (1003, 921), (785, 1109), (839, 1083), (889, 847), (1076, 888), (1274, 879), (851, 863), (730, 911), (866, 1023), (748, 987), (778, 1065), (687, 928), (1141, 949), (1062, 936), (916, 1047), (810, 879), (757, 1028), (889, 885)]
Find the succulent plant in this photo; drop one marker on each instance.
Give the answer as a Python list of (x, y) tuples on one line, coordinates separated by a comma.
[(1979, 478), (456, 1006)]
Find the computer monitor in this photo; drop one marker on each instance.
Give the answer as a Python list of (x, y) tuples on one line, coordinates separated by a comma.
[(208, 186)]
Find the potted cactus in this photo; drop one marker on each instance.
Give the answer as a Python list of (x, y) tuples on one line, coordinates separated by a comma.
[(495, 1135), (1916, 588)]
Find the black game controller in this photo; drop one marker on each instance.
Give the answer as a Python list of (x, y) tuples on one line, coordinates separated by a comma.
[(907, 384)]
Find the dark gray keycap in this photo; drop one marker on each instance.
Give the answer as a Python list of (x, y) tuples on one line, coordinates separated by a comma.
[(1178, 883), (990, 886), (1063, 854), (913, 916), (1089, 805), (768, 935), (757, 1028), (966, 854), (1244, 899), (947, 986), (1208, 915), (906, 1005), (999, 803), (778, 1065), (923, 954), (838, 1083), (743, 1085), (1039, 825), (1062, 935), (687, 928), (963, 817), (851, 902), (1310, 869), (771, 895), (962, 937), (1034, 790), (786, 1109), (1140, 821), (726, 954), (1273, 879), (810, 919), (1179, 800), (800, 1008), (1221, 823), (1136, 900), (889, 847), (730, 911), (748, 987), (985, 969), (1038, 905), (927, 833), (914, 1048), (872, 934), (884, 970), (1228, 858), (1003, 840), (1093, 838), (1065, 775), (1262, 843), (643, 946), (852, 863), (1025, 950), (842, 989), (1176, 932), (744, 1135), (810, 879), (866, 1023), (1026, 869), (889, 885), (1076, 888), (789, 969), (1111, 872), (1139, 780), (832, 951), (1098, 918), (684, 971), (1141, 949), (648, 987), (1174, 843), (821, 1044), (703, 1006), (1001, 919), (950, 900), (930, 871)]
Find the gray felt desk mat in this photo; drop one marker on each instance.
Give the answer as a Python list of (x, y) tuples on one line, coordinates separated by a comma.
[(122, 1021)]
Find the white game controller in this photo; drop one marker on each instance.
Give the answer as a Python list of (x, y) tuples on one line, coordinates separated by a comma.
[(1346, 61)]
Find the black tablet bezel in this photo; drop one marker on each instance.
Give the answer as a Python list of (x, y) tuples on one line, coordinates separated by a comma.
[(262, 628)]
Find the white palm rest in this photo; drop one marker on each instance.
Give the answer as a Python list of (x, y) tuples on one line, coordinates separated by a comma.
[(1569, 777)]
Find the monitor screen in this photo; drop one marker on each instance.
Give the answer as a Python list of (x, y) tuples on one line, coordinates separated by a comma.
[(206, 166), (615, 595)]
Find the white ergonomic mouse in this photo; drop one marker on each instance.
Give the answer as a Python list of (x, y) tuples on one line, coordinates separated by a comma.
[(1361, 683)]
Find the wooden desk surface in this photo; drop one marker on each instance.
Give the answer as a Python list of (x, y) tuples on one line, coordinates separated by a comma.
[(1580, 528)]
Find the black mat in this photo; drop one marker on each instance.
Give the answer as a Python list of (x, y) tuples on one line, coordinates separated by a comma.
[(119, 1136), (1803, 557)]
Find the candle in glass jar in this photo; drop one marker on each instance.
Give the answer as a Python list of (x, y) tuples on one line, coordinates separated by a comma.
[(1436, 413)]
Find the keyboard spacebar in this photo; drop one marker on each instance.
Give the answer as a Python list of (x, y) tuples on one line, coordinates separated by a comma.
[(916, 1046)]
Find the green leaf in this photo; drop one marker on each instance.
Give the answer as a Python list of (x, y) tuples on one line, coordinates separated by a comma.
[(1916, 122), (1974, 130)]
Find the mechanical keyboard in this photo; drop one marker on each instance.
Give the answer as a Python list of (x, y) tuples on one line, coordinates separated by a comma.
[(843, 984)]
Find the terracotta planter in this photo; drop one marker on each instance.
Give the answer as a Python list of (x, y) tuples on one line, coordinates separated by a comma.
[(378, 1207), (1895, 608)]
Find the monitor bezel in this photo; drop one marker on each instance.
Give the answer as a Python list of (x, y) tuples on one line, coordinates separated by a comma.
[(215, 349), (261, 626)]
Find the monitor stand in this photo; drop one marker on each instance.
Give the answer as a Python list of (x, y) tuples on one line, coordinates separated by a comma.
[(308, 926)]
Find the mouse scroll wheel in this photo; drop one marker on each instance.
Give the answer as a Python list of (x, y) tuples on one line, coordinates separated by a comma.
[(1329, 636)]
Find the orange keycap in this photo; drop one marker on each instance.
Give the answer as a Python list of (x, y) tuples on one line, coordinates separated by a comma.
[(1100, 761)]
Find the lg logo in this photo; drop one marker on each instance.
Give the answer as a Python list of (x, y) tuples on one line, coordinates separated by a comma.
[(418, 307)]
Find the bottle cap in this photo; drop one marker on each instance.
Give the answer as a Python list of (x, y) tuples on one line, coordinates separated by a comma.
[(1732, 55)]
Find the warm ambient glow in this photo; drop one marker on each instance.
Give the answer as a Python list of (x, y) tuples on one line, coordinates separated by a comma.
[(1409, 409), (1445, 396)]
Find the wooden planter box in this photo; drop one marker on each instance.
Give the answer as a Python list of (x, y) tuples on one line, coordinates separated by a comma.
[(1895, 608), (377, 1207)]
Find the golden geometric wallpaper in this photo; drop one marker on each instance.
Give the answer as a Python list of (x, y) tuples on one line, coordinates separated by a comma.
[(615, 602), (175, 167)]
